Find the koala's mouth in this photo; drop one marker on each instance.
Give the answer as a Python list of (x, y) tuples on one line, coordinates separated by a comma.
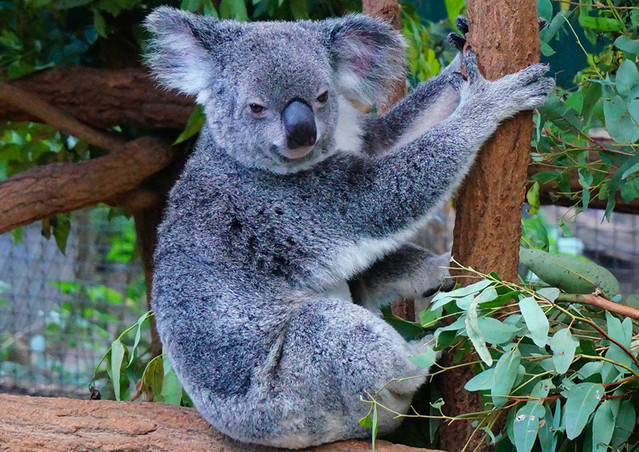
[(295, 154)]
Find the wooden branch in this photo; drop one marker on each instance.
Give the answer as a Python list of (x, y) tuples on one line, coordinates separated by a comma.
[(600, 302), (62, 187), (550, 193), (49, 114), (61, 425), (104, 98)]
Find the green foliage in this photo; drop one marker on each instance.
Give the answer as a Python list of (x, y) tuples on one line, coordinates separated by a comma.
[(565, 374), (156, 381), (593, 129)]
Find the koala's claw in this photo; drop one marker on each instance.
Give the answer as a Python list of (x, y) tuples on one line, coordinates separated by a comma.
[(456, 41), (459, 41), (461, 23)]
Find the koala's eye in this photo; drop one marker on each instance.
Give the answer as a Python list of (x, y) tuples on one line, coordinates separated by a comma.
[(256, 108), (322, 98)]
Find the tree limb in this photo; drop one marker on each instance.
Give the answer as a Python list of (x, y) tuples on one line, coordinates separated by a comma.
[(104, 98), (600, 302), (49, 114), (62, 187)]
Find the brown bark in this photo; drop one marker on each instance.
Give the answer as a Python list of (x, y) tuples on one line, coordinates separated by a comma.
[(104, 98), (504, 34), (62, 425), (62, 187)]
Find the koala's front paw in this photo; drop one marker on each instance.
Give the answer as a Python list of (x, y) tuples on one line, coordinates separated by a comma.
[(524, 90)]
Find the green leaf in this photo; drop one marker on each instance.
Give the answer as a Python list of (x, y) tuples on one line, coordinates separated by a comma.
[(536, 320), (429, 316), (532, 197), (619, 123), (482, 381), (496, 332), (299, 9), (627, 45), (547, 435), (61, 227), (563, 347), (171, 387), (193, 125), (600, 23), (138, 334), (589, 369), (474, 334), (425, 359), (622, 333), (549, 293), (153, 376), (627, 76), (408, 330), (603, 424), (505, 375), (569, 273), (453, 8), (117, 356), (366, 421), (544, 9), (526, 426), (546, 50), (581, 401), (625, 423), (233, 9)]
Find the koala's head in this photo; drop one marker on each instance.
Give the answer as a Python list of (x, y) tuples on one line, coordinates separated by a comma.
[(274, 93)]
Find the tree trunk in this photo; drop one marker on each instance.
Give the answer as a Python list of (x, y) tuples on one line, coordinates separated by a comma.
[(504, 34)]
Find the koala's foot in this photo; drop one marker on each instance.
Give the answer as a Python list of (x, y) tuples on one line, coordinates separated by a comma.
[(410, 272), (502, 98)]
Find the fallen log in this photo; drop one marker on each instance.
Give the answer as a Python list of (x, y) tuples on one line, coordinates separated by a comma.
[(60, 424)]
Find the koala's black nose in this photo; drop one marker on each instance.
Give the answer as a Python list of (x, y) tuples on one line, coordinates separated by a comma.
[(299, 123)]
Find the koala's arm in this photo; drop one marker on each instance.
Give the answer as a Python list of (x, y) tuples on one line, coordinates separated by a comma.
[(409, 272), (429, 103), (390, 194)]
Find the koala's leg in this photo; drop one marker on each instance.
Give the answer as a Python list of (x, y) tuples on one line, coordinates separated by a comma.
[(332, 353), (410, 272)]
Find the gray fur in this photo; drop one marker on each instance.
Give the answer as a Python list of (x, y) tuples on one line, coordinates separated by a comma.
[(255, 249)]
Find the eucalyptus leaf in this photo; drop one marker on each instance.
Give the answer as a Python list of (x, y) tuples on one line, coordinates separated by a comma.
[(625, 424), (536, 321), (581, 401), (526, 426), (563, 347), (496, 332), (603, 424), (505, 375), (627, 45), (425, 359), (569, 273), (117, 357)]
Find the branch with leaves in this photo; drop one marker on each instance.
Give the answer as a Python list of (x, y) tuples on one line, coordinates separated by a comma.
[(62, 187)]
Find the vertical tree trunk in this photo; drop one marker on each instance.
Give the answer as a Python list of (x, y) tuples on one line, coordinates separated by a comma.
[(504, 34)]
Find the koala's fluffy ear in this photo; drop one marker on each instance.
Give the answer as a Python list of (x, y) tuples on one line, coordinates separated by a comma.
[(180, 52), (368, 56)]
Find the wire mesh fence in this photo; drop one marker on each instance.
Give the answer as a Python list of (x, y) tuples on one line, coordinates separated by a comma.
[(60, 312)]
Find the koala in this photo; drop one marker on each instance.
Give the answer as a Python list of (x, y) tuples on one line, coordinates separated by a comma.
[(290, 195)]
